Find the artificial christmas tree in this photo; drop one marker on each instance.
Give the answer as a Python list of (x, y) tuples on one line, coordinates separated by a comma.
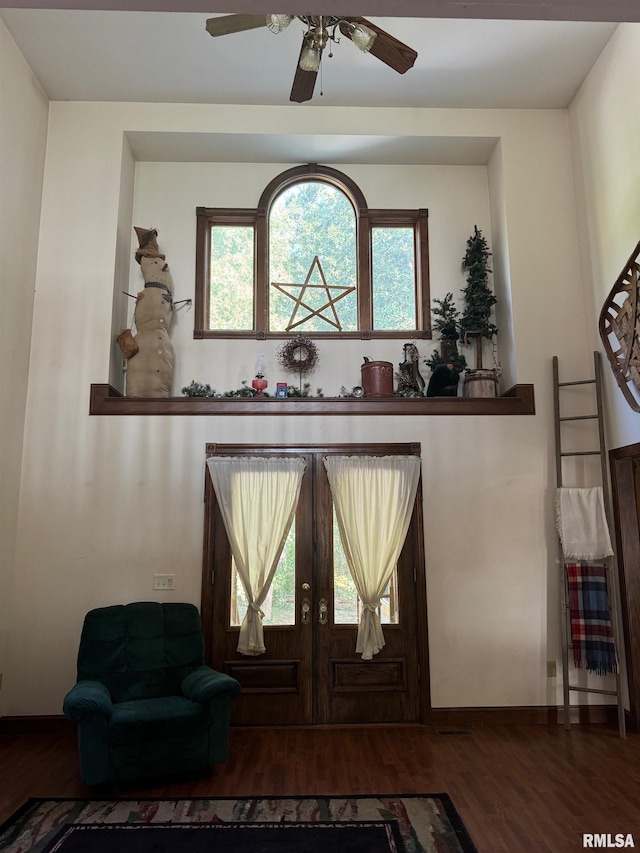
[(475, 323), (445, 322)]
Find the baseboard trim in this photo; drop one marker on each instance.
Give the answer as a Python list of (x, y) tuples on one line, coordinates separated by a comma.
[(523, 715), (55, 724)]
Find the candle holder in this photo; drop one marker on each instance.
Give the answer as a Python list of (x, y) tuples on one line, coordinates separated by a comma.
[(259, 383)]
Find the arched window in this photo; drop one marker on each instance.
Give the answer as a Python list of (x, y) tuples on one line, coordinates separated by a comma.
[(312, 258)]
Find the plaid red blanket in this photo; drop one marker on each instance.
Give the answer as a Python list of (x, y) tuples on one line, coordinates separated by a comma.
[(591, 632)]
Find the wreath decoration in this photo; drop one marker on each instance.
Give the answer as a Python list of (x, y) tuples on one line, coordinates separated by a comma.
[(299, 355)]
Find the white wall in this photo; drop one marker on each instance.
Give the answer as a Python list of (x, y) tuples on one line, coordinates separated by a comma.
[(23, 132), (106, 502), (120, 306), (605, 127), (501, 271)]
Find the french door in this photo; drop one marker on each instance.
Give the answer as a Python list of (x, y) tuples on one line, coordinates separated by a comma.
[(310, 672)]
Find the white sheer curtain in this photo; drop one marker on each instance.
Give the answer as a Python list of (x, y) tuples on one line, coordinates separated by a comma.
[(373, 497), (257, 497)]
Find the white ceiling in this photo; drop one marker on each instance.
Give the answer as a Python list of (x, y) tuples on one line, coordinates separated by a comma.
[(90, 53), (169, 57)]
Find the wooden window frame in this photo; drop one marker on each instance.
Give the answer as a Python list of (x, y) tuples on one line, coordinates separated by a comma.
[(366, 221)]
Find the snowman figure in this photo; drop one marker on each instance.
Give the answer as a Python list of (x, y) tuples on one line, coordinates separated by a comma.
[(150, 351)]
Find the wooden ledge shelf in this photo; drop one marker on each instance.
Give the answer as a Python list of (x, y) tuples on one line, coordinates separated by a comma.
[(105, 400)]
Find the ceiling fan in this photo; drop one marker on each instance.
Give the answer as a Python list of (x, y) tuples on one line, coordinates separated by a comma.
[(321, 31)]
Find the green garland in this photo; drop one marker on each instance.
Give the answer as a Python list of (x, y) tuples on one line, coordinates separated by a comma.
[(198, 389)]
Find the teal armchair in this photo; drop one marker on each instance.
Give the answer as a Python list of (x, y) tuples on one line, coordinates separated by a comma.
[(145, 703)]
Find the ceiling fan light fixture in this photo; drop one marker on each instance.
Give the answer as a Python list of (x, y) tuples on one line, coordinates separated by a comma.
[(363, 37), (278, 23), (310, 59)]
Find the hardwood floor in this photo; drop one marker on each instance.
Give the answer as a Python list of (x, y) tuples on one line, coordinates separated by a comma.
[(518, 788)]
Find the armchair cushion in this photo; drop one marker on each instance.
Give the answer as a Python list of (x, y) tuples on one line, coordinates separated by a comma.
[(145, 703), (149, 720), (141, 650)]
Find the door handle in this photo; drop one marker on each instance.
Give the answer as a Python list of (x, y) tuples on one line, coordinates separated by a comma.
[(306, 608), (322, 611)]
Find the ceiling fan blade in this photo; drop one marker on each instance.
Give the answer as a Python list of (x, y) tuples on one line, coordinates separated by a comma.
[(227, 24), (304, 82), (386, 48)]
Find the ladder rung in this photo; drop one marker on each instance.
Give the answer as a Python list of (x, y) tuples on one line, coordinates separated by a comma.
[(595, 690), (581, 382), (580, 418)]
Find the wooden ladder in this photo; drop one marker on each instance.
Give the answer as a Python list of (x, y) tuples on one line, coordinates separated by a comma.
[(612, 587)]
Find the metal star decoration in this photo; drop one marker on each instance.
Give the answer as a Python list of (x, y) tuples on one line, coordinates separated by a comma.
[(314, 312)]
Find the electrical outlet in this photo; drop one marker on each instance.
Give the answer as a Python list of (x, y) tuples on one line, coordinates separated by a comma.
[(551, 669), (164, 582)]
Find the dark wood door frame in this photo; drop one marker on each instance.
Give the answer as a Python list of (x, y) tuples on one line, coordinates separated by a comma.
[(624, 463), (209, 550)]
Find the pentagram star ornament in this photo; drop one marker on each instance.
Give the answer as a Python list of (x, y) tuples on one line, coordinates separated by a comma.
[(332, 299)]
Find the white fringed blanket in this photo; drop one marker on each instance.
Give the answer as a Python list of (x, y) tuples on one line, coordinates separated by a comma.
[(582, 524)]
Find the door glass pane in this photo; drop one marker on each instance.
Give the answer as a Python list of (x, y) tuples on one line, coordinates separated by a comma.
[(279, 607), (231, 282), (393, 278), (345, 597), (346, 604)]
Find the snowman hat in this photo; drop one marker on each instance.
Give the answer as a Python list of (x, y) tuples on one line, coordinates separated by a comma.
[(148, 244)]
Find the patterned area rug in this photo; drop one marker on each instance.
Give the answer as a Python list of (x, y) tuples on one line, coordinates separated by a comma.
[(363, 824)]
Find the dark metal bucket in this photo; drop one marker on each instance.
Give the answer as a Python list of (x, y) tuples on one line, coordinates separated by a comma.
[(377, 378)]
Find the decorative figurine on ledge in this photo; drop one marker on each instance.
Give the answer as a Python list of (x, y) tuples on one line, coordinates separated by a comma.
[(150, 351), (444, 381), (410, 381)]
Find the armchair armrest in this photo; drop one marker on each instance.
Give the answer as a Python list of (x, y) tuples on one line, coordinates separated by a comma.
[(204, 684), (87, 697)]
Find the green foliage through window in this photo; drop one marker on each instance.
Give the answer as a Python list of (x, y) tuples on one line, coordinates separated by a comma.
[(231, 277), (346, 602), (394, 278), (310, 220), (279, 607)]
